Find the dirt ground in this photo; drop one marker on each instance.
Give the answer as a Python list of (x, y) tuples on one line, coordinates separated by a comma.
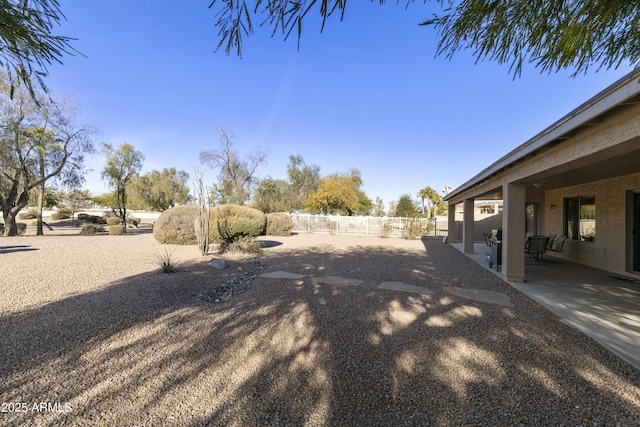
[(91, 333)]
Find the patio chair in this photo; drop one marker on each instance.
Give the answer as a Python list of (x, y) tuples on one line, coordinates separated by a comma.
[(558, 243), (537, 247), (552, 238)]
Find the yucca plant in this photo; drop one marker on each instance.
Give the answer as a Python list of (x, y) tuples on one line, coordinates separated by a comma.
[(165, 260)]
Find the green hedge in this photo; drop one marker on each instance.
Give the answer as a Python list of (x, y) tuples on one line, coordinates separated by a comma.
[(116, 230), (88, 230), (228, 223), (112, 220), (175, 226)]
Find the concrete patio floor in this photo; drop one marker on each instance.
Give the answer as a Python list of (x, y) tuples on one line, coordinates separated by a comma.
[(600, 305)]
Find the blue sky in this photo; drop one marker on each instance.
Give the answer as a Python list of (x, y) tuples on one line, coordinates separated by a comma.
[(368, 93)]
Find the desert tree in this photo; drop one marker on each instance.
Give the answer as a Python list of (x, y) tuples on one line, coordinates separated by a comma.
[(405, 208), (340, 194), (75, 200), (272, 195), (48, 152), (159, 190), (28, 44), (40, 141), (236, 176), (123, 164), (105, 200), (52, 196), (550, 34), (378, 207), (303, 179), (278, 195), (393, 207)]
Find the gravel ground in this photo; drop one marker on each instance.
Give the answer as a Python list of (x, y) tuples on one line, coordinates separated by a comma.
[(91, 333)]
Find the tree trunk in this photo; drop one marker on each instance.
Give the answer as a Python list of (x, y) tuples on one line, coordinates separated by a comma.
[(39, 231), (10, 212), (124, 210), (10, 226)]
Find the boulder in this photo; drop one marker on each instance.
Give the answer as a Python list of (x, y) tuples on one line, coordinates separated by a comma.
[(218, 264)]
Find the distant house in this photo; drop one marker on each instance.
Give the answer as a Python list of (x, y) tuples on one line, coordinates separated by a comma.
[(580, 178)]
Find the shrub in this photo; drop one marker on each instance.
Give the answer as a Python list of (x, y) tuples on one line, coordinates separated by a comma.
[(279, 224), (83, 216), (95, 219), (175, 225), (64, 213), (244, 245), (27, 215), (134, 221), (165, 260), (228, 223), (414, 229), (88, 230), (22, 228), (112, 220), (385, 229), (116, 230), (55, 216), (332, 226)]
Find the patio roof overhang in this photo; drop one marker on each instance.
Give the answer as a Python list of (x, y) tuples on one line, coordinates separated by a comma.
[(625, 159)]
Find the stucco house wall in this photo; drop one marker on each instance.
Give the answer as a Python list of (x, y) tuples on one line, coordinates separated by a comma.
[(484, 223), (592, 151), (609, 249)]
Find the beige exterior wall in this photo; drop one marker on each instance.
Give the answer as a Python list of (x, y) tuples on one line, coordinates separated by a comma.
[(483, 223), (593, 151), (609, 251)]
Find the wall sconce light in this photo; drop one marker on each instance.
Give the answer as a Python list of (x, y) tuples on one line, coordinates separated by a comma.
[(552, 206)]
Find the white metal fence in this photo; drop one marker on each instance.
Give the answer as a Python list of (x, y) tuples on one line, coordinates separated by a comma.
[(369, 225)]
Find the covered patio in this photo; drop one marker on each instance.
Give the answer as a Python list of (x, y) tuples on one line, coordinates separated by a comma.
[(601, 304), (579, 178)]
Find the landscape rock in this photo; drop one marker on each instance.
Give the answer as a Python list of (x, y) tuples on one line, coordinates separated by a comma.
[(234, 286), (218, 264)]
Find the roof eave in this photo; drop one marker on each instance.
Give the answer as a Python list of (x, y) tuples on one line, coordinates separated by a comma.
[(616, 94)]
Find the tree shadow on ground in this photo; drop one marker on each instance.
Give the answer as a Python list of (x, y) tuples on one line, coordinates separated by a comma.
[(269, 243), (16, 248), (296, 352)]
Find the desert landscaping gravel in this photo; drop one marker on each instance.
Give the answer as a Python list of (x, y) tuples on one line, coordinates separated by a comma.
[(93, 334)]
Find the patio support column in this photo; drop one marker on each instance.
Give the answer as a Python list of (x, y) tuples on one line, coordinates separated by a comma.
[(451, 223), (467, 226), (513, 231)]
